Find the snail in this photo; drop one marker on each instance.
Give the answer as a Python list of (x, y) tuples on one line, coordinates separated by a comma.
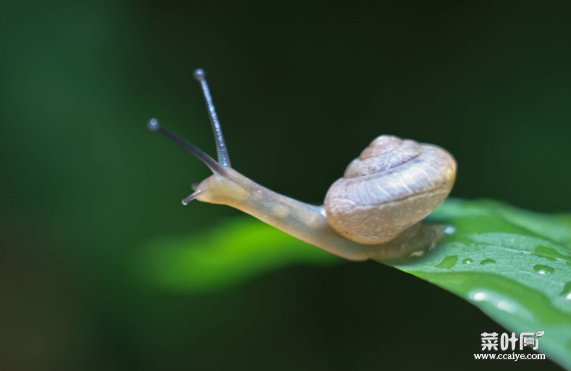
[(373, 212)]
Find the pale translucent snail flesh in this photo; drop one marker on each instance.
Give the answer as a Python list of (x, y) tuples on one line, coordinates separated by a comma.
[(374, 211)]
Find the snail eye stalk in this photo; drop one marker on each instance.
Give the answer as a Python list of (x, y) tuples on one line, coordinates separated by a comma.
[(221, 148), (154, 125)]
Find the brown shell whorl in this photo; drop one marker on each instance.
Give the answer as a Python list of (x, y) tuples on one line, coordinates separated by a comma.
[(384, 153), (392, 185)]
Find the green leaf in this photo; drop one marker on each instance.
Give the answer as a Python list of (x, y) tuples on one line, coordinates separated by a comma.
[(513, 264), (233, 253)]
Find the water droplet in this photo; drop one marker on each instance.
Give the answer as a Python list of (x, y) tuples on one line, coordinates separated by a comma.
[(501, 302), (448, 262), (467, 261), (551, 254), (566, 293), (449, 230), (543, 269), (487, 261), (417, 254)]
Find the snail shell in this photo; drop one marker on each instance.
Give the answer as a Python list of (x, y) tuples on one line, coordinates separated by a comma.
[(392, 185)]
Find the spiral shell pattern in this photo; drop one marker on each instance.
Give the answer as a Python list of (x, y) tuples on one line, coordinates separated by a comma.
[(392, 185)]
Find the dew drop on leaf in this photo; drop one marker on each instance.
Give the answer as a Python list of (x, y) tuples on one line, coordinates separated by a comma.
[(543, 269), (448, 262), (566, 293)]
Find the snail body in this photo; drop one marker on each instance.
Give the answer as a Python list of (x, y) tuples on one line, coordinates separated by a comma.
[(372, 212)]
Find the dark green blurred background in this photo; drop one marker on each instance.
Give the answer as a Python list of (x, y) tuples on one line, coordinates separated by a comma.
[(301, 88)]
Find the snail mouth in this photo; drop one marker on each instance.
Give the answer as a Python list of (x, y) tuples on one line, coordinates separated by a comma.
[(197, 192), (194, 195), (199, 188), (219, 189)]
